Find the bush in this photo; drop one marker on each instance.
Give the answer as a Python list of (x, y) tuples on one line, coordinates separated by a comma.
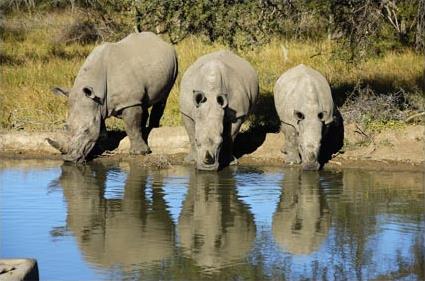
[(82, 32), (365, 107)]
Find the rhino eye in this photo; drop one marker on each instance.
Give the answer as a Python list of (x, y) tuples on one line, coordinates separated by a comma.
[(320, 115), (299, 115)]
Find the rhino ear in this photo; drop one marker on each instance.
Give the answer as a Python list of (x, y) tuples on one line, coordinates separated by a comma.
[(198, 97), (89, 92), (60, 91)]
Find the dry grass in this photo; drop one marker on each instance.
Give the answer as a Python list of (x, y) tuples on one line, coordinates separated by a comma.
[(32, 61)]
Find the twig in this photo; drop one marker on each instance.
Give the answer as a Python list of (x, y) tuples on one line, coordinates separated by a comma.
[(316, 54), (361, 132), (410, 118)]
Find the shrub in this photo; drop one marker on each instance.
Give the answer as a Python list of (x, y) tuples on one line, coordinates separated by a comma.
[(366, 107), (82, 32)]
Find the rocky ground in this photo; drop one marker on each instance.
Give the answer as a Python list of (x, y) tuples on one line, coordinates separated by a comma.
[(390, 149)]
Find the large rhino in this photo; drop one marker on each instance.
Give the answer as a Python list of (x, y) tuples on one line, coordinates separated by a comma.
[(306, 111), (217, 93), (118, 79)]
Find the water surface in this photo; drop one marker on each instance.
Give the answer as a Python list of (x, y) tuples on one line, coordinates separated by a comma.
[(126, 222)]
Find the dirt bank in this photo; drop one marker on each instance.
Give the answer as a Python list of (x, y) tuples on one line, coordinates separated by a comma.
[(396, 147)]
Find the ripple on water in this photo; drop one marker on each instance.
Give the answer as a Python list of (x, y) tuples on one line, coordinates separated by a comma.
[(128, 222)]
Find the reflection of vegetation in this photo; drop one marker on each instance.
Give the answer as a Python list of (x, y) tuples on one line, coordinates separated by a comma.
[(366, 196), (406, 266), (336, 214)]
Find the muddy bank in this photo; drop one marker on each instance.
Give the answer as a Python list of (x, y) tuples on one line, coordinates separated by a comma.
[(391, 148)]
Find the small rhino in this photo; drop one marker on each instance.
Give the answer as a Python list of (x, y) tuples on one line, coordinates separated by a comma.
[(120, 79), (306, 111), (217, 93)]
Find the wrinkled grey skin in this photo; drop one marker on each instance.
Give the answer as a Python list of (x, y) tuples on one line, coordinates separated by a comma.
[(118, 79), (305, 107), (217, 93)]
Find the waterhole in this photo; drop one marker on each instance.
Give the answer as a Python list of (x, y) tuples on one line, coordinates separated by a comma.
[(125, 222)]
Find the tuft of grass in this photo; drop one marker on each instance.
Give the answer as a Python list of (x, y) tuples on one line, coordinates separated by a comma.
[(34, 62)]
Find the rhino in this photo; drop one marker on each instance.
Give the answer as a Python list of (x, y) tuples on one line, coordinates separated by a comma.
[(217, 93), (306, 110), (121, 79)]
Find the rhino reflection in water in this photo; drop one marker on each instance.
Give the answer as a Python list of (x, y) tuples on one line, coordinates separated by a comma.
[(302, 219), (109, 232), (215, 227)]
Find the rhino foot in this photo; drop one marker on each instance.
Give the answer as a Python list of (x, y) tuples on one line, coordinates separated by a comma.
[(140, 150)]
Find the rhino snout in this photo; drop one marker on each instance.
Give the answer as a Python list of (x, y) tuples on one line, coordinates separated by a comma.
[(311, 156), (208, 162), (209, 159), (311, 166), (73, 158)]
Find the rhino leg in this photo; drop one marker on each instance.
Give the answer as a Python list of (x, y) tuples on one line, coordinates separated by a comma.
[(132, 117), (290, 148), (189, 124)]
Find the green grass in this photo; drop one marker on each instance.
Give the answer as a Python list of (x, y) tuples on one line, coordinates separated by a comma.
[(34, 60)]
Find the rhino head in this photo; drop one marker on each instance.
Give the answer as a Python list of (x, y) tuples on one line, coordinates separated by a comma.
[(208, 114), (83, 123), (311, 123)]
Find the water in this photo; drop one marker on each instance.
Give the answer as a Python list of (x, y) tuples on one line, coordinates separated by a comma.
[(125, 222)]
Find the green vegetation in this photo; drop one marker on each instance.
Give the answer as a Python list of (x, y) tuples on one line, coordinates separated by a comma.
[(44, 45)]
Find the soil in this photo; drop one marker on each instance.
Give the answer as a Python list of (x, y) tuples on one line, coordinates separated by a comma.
[(392, 149)]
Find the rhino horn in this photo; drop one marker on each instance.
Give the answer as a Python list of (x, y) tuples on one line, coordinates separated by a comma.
[(57, 145)]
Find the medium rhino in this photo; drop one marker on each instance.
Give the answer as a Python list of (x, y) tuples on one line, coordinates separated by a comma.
[(120, 79), (217, 93), (305, 107)]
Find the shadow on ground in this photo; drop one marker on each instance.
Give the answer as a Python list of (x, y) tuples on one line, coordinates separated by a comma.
[(263, 120), (333, 139), (106, 143)]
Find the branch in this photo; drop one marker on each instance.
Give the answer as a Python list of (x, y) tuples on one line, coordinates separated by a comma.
[(410, 118)]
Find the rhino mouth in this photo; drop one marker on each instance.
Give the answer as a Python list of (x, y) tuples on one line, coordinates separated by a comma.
[(311, 166), (208, 161), (75, 150), (208, 167)]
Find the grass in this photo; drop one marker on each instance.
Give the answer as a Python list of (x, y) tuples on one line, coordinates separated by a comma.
[(33, 60)]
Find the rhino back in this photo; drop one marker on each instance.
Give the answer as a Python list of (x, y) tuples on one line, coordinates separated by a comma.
[(301, 88), (239, 79), (140, 67)]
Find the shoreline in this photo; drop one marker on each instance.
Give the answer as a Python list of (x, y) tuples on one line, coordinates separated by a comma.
[(392, 149)]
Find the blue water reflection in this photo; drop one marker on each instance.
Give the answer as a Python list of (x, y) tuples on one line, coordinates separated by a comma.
[(123, 221)]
